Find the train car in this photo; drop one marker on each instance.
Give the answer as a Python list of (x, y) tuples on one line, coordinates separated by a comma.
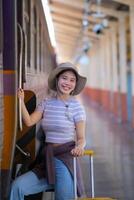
[(1, 87), (26, 57), (97, 36)]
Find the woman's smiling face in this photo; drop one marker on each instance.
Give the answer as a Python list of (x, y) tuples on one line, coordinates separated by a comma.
[(66, 82)]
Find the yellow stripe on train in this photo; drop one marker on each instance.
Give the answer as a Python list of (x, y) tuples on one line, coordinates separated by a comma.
[(9, 130)]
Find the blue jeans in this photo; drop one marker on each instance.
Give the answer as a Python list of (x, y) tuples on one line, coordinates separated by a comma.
[(29, 183)]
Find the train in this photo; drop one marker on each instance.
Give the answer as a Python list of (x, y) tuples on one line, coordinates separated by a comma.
[(26, 58)]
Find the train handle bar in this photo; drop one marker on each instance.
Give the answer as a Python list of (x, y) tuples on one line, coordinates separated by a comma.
[(27, 154), (20, 72)]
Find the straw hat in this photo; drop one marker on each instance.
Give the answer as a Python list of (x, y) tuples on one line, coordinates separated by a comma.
[(80, 83)]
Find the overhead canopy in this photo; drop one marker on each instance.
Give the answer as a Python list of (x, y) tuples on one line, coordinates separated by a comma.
[(81, 22)]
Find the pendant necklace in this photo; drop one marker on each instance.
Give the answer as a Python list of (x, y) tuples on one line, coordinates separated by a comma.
[(67, 113), (66, 109)]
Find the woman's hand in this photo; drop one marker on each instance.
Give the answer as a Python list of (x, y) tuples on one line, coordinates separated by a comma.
[(21, 94), (78, 151)]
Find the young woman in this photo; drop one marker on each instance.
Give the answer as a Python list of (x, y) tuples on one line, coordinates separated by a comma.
[(63, 121)]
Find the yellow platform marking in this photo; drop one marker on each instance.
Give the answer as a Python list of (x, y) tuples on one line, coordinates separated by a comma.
[(96, 198)]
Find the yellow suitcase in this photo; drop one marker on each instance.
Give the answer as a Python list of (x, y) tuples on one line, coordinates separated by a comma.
[(89, 153)]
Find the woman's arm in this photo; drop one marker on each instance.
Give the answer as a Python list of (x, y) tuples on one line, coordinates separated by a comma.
[(81, 141), (32, 119)]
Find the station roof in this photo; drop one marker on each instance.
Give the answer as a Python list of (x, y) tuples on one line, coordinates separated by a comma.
[(79, 24)]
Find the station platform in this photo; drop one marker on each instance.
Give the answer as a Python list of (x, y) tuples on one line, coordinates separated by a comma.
[(113, 144)]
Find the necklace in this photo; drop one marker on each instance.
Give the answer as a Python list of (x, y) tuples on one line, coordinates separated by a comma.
[(67, 113)]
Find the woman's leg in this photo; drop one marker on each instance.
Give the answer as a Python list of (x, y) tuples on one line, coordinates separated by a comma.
[(27, 184), (64, 186)]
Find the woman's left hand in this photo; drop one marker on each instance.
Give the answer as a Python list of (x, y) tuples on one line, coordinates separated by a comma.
[(77, 151)]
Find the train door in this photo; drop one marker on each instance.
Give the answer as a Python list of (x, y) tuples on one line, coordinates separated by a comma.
[(25, 136), (9, 61)]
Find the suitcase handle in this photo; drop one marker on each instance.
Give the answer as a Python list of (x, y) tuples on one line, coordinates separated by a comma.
[(89, 153), (75, 178)]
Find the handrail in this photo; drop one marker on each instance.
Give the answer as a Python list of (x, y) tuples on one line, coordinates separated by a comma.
[(20, 72), (27, 154), (25, 59)]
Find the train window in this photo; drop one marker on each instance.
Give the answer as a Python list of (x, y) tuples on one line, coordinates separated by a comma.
[(28, 28), (45, 56), (43, 53), (46, 53), (40, 46), (35, 37)]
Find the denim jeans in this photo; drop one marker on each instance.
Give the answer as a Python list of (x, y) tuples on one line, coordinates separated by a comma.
[(29, 183)]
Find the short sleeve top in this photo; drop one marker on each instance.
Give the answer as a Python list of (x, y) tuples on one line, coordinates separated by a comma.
[(59, 119)]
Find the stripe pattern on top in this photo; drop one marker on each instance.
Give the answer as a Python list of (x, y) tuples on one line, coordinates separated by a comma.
[(59, 119)]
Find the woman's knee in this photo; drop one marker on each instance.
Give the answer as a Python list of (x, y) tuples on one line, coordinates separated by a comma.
[(16, 185), (19, 185)]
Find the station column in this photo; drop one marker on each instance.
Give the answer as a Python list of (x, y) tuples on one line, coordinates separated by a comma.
[(132, 54), (123, 67), (115, 82)]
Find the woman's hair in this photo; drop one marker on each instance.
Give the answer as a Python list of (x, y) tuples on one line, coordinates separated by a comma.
[(66, 71)]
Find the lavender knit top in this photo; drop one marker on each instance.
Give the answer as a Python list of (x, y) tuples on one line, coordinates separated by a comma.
[(59, 119)]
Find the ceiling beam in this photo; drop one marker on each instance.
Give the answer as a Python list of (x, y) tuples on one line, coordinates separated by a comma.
[(71, 25), (64, 50), (126, 2), (77, 4), (80, 6), (66, 20), (110, 11), (59, 9), (71, 34), (63, 41), (54, 8), (66, 37), (68, 41), (67, 28), (72, 30)]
